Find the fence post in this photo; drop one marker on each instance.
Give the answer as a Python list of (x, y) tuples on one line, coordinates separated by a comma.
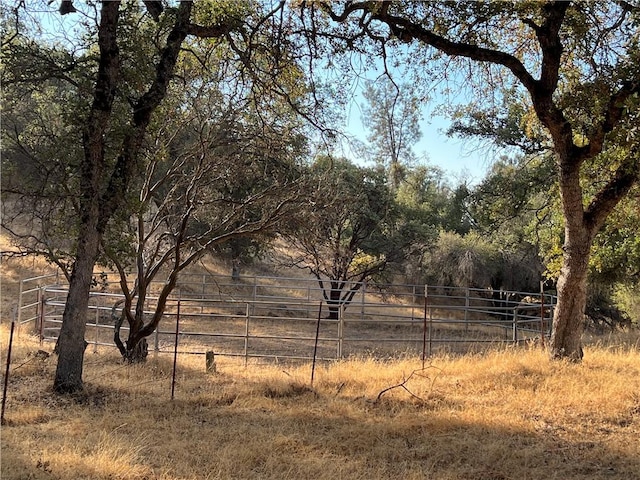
[(424, 324), (97, 326), (175, 352), (20, 304), (210, 361), (204, 292), (542, 313), (246, 334), (40, 315), (315, 344), (430, 329), (515, 326), (6, 374), (466, 310), (340, 329), (364, 293), (38, 322)]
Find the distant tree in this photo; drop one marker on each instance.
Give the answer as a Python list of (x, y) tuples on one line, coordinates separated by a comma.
[(349, 231), (391, 116), (433, 199)]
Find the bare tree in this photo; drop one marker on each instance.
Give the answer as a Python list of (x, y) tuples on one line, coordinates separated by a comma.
[(192, 200)]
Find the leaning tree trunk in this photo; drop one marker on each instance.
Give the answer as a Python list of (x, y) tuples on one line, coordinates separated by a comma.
[(71, 343), (100, 200)]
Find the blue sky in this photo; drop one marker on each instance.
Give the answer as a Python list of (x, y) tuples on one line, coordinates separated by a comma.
[(460, 160)]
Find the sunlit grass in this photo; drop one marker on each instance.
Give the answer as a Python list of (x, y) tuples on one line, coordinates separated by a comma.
[(508, 414)]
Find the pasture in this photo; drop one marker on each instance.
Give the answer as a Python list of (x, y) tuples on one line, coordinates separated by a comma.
[(506, 413), (509, 413)]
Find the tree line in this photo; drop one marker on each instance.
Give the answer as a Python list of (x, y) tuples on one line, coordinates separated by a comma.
[(142, 136)]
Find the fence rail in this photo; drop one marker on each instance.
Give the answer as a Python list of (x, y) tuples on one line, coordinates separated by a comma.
[(279, 318)]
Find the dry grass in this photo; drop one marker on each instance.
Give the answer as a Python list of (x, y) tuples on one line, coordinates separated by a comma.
[(508, 414)]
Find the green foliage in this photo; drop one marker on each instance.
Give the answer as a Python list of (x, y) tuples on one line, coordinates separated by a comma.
[(514, 205), (627, 297), (346, 232), (216, 12), (616, 255), (474, 260), (511, 124), (469, 261), (430, 203)]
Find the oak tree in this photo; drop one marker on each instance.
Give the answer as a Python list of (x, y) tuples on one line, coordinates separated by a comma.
[(578, 64), (111, 157)]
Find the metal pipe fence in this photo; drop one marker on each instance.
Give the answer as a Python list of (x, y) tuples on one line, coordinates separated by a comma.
[(272, 317)]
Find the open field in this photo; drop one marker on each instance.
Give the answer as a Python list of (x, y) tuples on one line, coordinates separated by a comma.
[(507, 414)]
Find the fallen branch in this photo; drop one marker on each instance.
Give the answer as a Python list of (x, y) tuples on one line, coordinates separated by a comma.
[(403, 384)]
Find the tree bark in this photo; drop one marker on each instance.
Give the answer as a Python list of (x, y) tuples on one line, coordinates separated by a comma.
[(71, 343), (568, 320)]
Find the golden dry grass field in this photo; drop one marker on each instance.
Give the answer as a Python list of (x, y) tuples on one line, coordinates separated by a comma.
[(506, 414), (509, 414)]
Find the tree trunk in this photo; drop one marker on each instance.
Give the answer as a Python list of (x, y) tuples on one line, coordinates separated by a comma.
[(568, 320), (136, 352), (333, 302), (71, 343)]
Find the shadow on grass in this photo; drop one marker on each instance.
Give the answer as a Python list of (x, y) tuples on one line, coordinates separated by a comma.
[(259, 430)]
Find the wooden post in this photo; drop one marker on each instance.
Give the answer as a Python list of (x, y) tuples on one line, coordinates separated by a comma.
[(210, 362), (6, 374)]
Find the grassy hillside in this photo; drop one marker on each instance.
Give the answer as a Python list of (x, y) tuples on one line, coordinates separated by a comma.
[(506, 414)]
